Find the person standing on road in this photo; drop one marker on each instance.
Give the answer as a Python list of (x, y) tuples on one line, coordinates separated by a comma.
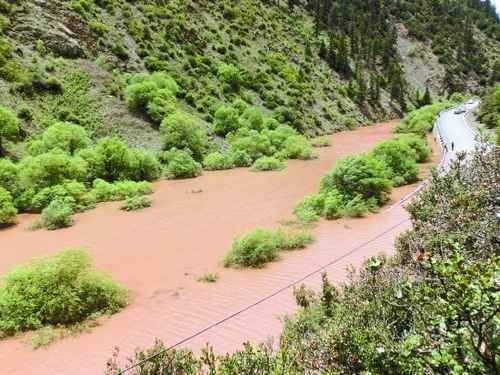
[(452, 146)]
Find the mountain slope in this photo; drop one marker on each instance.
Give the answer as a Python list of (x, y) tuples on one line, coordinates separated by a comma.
[(319, 65)]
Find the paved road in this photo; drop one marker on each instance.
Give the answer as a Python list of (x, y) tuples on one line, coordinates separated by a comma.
[(455, 131)]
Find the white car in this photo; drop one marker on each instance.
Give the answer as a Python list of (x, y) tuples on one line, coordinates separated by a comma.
[(459, 110)]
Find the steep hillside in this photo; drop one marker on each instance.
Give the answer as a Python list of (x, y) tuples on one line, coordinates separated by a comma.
[(318, 65)]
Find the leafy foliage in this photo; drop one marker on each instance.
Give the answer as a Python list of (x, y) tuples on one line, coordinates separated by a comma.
[(7, 209), (9, 126), (180, 164), (260, 246), (184, 132), (61, 289)]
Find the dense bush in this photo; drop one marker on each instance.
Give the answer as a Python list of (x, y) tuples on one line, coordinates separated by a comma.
[(260, 246), (51, 168), (267, 163), (417, 144), (218, 161), (61, 289), (184, 132), (56, 215), (400, 158), (9, 176), (72, 192), (9, 127), (226, 120), (7, 209), (421, 121), (154, 93), (280, 141), (362, 175), (62, 135), (112, 160), (180, 164), (104, 191)]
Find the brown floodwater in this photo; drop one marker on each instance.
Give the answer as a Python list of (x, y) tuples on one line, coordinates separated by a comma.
[(160, 252)]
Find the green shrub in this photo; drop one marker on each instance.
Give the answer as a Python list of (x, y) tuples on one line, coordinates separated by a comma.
[(226, 120), (251, 118), (218, 161), (333, 207), (62, 135), (310, 208), (61, 289), (184, 132), (104, 191), (260, 246), (136, 203), (356, 207), (240, 158), (73, 192), (182, 165), (267, 163), (51, 168), (9, 127), (153, 93), (230, 75), (254, 249), (400, 158), (57, 215), (293, 239), (323, 141), (417, 144), (8, 211), (297, 147), (9, 176), (421, 121), (362, 175), (143, 166)]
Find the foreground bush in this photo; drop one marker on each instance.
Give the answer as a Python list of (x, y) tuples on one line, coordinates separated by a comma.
[(8, 211), (260, 246), (61, 289)]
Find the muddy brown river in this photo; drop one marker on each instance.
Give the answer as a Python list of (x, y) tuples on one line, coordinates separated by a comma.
[(159, 253)]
